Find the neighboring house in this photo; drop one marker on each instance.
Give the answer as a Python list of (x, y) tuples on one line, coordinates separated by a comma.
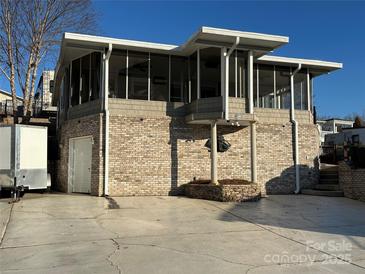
[(6, 102), (347, 136), (44, 93), (332, 125), (133, 117)]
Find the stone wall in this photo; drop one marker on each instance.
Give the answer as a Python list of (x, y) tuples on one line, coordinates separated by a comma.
[(223, 193), (86, 126), (352, 181)]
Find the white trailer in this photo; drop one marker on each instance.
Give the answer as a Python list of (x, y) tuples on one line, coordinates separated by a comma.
[(23, 157)]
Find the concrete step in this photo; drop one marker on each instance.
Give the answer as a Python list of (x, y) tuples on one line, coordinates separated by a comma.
[(327, 187), (329, 193), (328, 175), (328, 181)]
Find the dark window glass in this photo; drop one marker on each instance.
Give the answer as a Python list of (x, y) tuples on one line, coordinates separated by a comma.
[(66, 88), (117, 74), (85, 78), (210, 72), (193, 75), (255, 86), (95, 75), (266, 86), (241, 74), (283, 87), (179, 79), (232, 74), (159, 75), (75, 82), (300, 90), (138, 75)]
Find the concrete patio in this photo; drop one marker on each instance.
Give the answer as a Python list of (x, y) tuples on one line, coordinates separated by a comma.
[(59, 233)]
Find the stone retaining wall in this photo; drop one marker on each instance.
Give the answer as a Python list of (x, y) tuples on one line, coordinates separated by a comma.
[(223, 193), (352, 181)]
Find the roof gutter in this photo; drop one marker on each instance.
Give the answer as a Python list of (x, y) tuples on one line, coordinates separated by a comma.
[(295, 128), (226, 78), (106, 57)]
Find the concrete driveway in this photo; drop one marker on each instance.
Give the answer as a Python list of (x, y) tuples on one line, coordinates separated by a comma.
[(57, 233)]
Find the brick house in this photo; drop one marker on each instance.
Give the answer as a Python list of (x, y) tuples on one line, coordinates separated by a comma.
[(133, 117)]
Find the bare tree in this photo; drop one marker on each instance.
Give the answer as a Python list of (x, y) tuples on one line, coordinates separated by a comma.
[(29, 30)]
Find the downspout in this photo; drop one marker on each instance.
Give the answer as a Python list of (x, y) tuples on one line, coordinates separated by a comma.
[(106, 109), (226, 82), (295, 125)]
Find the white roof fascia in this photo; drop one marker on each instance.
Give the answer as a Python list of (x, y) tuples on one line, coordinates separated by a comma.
[(248, 35), (104, 41), (306, 62)]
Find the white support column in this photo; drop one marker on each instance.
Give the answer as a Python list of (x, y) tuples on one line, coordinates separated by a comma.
[(252, 124), (198, 74), (275, 100), (250, 81), (253, 152), (149, 77), (309, 101), (126, 77), (223, 74), (170, 78), (106, 109), (213, 153), (226, 88), (235, 75)]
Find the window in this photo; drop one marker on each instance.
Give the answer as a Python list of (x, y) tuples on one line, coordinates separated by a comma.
[(283, 87), (179, 79), (232, 74), (138, 64), (85, 78), (266, 86), (193, 76), (300, 90), (241, 74), (75, 82), (117, 74), (255, 85), (159, 75), (95, 75), (210, 72)]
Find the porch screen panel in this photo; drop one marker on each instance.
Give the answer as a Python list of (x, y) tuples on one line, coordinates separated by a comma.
[(241, 74), (232, 75), (210, 72), (159, 75), (138, 64), (193, 75), (95, 75), (179, 79), (283, 87), (300, 90), (85, 78), (117, 74), (75, 82), (266, 86)]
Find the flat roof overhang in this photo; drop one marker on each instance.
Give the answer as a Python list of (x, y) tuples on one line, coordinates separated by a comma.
[(316, 67), (259, 43)]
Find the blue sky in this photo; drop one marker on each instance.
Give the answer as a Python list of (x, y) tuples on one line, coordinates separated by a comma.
[(330, 30)]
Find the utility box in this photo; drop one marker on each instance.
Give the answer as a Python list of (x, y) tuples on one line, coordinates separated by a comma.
[(23, 157)]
